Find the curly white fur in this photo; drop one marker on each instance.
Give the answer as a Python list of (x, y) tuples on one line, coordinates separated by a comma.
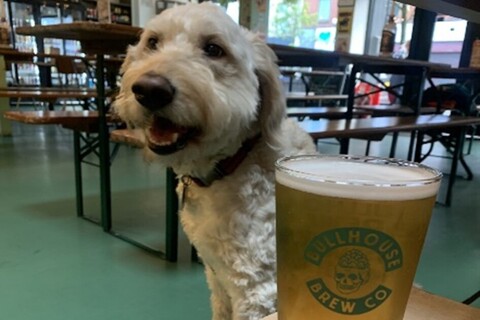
[(229, 99)]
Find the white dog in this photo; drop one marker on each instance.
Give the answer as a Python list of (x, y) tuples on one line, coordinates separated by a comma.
[(207, 95)]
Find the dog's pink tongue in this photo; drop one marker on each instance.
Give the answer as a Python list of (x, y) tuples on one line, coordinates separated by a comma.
[(164, 132)]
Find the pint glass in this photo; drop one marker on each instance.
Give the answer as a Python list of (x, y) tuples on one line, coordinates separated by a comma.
[(349, 235)]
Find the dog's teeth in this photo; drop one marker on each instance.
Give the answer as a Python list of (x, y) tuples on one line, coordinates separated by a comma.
[(165, 134), (172, 139)]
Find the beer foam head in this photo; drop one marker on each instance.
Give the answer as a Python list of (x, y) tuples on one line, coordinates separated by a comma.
[(357, 177)]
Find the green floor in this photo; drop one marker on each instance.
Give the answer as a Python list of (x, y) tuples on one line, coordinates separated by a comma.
[(54, 265)]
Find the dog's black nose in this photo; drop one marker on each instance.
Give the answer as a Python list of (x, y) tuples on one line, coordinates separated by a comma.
[(153, 91)]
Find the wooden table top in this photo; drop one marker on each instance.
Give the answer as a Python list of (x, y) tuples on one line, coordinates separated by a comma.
[(52, 117), (426, 306), (323, 112), (95, 37), (292, 56), (381, 125)]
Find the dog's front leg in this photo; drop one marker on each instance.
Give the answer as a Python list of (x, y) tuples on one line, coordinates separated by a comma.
[(220, 300), (255, 303)]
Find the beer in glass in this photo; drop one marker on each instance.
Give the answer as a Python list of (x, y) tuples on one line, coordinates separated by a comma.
[(349, 235)]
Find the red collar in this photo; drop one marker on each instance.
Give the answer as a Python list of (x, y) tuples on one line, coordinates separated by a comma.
[(228, 165)]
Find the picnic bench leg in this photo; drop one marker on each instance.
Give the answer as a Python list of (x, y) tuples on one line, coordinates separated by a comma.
[(449, 145), (456, 156), (344, 145), (367, 149), (171, 248), (305, 83), (413, 134), (5, 125), (459, 139), (105, 190), (417, 157), (393, 146), (466, 167), (78, 172)]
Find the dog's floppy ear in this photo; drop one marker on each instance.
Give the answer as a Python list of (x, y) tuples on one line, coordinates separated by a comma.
[(272, 101)]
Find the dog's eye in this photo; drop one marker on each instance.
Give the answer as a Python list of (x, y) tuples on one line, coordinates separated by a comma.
[(152, 43), (213, 50)]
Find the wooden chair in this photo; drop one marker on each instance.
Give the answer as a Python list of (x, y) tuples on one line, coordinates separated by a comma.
[(70, 70)]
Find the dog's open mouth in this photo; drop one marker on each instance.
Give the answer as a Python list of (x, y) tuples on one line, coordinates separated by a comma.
[(166, 137)]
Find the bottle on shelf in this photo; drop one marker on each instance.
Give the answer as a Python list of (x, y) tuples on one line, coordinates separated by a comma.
[(387, 44), (475, 55), (5, 40)]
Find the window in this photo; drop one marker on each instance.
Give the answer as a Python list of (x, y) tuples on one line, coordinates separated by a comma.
[(447, 40), (303, 23), (324, 10)]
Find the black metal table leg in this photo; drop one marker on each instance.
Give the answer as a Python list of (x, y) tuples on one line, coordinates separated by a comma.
[(171, 248)]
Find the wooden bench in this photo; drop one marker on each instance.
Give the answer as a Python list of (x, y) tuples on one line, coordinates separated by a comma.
[(84, 121), (49, 95), (377, 127), (78, 121), (352, 128), (358, 111), (46, 93)]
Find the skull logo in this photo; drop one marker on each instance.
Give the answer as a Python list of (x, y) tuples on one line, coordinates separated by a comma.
[(352, 271)]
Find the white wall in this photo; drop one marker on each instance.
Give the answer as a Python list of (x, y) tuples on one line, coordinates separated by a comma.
[(142, 11), (359, 26), (376, 22)]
